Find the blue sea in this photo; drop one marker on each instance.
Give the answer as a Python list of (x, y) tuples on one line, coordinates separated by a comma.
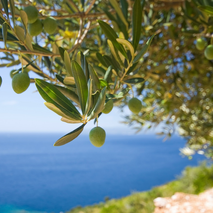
[(36, 177)]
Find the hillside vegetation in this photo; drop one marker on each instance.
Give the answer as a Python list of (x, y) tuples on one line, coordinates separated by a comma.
[(193, 180)]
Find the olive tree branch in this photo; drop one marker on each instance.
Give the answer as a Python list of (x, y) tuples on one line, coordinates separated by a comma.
[(90, 7)]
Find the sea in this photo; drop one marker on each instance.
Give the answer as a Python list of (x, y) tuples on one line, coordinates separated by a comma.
[(36, 177)]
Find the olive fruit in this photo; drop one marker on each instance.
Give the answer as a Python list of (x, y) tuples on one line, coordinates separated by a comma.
[(32, 14), (200, 43), (50, 25), (108, 107), (97, 136), (135, 105), (20, 82), (35, 28), (209, 52)]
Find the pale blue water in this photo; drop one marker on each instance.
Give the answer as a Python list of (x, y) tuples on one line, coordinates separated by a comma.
[(39, 178)]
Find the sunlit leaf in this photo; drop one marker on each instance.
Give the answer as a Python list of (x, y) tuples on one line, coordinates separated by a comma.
[(111, 35), (53, 95), (67, 63), (119, 11), (89, 98), (206, 9), (70, 136)]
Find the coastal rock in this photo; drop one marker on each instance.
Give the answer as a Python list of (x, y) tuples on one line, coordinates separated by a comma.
[(185, 203)]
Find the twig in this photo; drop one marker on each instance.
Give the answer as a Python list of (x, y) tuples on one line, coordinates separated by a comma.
[(90, 7)]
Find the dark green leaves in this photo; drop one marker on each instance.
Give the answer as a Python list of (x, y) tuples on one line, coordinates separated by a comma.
[(4, 33), (70, 136), (143, 50), (0, 80), (5, 6), (136, 23), (112, 36), (52, 95), (206, 9), (134, 80), (81, 84), (12, 9)]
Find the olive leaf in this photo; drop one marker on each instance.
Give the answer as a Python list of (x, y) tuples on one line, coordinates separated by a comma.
[(94, 76), (143, 50), (81, 84), (119, 11), (206, 9), (89, 98), (0, 80), (5, 6), (67, 63), (111, 35), (70, 136), (12, 9), (134, 80), (136, 23), (99, 106), (51, 94), (4, 33)]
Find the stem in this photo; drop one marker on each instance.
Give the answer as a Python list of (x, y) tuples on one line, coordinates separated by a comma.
[(90, 7)]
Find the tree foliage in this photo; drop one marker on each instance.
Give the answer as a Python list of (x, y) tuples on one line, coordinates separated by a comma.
[(115, 50)]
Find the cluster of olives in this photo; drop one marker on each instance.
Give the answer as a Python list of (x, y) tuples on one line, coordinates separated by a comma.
[(35, 26), (20, 81), (201, 44)]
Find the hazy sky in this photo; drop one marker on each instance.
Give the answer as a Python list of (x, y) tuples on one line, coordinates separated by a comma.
[(26, 112)]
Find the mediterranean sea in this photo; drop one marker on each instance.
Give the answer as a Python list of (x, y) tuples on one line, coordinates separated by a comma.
[(37, 177)]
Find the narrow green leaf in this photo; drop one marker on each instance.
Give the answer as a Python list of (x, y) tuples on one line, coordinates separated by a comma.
[(57, 97), (124, 7), (70, 136), (89, 98), (61, 51), (24, 19), (67, 63), (4, 29), (99, 106), (40, 49), (68, 113), (143, 50), (111, 35), (206, 9), (0, 80), (95, 79), (57, 110), (119, 11), (108, 74), (5, 6), (81, 84), (136, 23), (115, 53), (69, 94), (101, 59), (70, 121), (134, 80), (127, 44), (100, 70), (12, 9)]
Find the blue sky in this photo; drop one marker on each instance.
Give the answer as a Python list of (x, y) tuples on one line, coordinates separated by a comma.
[(26, 112)]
